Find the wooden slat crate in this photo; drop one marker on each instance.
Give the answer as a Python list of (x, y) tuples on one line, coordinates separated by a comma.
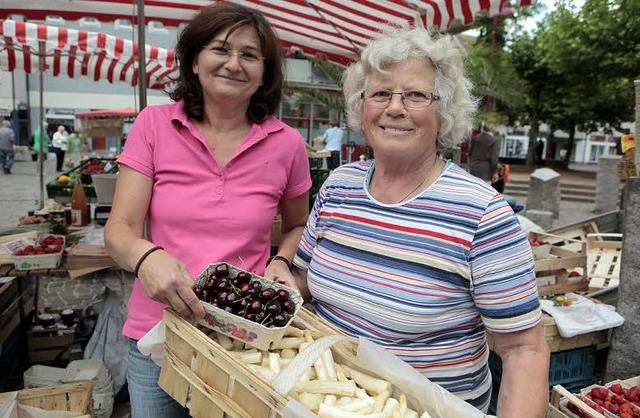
[(558, 263), (603, 260), (577, 232), (9, 309), (43, 346), (75, 397), (220, 385)]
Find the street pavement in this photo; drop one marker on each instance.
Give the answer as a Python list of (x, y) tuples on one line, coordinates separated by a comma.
[(20, 191)]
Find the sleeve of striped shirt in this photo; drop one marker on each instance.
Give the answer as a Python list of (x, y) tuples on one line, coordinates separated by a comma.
[(503, 273)]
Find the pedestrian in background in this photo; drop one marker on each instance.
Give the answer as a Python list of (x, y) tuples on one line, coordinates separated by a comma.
[(332, 139), (7, 140), (41, 137), (483, 156), (60, 144)]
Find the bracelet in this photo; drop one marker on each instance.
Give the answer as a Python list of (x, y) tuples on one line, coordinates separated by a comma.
[(281, 258), (144, 256)]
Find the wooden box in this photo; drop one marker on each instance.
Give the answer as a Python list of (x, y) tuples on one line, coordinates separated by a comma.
[(603, 260), (50, 344), (219, 383), (75, 396), (559, 263)]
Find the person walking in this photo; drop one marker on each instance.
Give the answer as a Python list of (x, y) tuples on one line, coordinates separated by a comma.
[(60, 144), (483, 156), (332, 138), (7, 140), (41, 138)]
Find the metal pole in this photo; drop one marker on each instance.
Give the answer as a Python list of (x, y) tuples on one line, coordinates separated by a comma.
[(41, 154), (142, 59)]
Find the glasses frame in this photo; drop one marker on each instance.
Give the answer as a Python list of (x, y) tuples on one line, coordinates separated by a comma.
[(225, 53), (431, 97)]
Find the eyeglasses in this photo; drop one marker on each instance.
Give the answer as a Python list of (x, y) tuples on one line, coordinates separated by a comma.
[(413, 99), (225, 53)]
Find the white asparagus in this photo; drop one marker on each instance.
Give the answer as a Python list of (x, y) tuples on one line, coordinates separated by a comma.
[(328, 363), (330, 400), (327, 411), (237, 344), (318, 366), (311, 401), (288, 342), (274, 362), (293, 331), (403, 405), (425, 414), (224, 341), (410, 413), (380, 401), (248, 358), (353, 404), (391, 405), (319, 386), (288, 353), (371, 384)]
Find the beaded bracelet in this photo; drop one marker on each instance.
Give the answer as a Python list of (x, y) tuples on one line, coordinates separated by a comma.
[(144, 256)]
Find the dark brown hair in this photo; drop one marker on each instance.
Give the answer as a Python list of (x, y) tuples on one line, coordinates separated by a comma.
[(210, 21)]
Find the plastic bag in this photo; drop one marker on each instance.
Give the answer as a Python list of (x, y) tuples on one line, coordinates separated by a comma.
[(581, 316)]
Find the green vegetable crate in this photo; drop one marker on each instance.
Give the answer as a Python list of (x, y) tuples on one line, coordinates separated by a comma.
[(61, 192)]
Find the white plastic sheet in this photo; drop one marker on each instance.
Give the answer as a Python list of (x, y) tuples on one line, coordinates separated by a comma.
[(582, 316)]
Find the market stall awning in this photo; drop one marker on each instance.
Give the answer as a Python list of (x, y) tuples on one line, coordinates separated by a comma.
[(336, 28), (77, 53), (101, 123)]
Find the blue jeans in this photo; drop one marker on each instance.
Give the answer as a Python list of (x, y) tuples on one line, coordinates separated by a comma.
[(6, 159), (147, 399)]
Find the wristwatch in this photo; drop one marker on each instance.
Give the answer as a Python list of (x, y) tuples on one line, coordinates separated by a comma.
[(281, 258)]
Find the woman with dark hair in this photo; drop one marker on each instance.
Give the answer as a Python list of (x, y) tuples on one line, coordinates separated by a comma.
[(208, 173)]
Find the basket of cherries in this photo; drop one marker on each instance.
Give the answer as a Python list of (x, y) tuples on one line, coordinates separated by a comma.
[(245, 306)]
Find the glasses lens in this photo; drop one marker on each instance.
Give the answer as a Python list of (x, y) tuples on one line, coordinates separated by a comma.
[(414, 99)]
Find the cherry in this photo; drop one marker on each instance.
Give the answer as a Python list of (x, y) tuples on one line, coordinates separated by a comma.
[(199, 291), (243, 277), (289, 306), (221, 298), (221, 270), (283, 295), (267, 294), (273, 307), (280, 320), (255, 306)]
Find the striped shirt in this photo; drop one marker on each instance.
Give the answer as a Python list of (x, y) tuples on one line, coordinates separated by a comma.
[(423, 278)]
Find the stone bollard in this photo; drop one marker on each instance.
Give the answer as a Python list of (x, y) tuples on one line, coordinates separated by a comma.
[(622, 360), (542, 218), (607, 184), (544, 191)]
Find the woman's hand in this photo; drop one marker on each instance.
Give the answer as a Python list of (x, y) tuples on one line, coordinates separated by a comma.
[(278, 271), (167, 280)]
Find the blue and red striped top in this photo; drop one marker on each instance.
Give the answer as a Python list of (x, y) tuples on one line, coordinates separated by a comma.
[(423, 278)]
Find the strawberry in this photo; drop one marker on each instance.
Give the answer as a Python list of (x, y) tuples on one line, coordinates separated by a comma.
[(58, 241), (619, 399), (617, 388), (48, 240), (599, 392)]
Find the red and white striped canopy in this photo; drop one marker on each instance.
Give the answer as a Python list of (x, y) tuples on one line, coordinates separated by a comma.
[(78, 53), (335, 28)]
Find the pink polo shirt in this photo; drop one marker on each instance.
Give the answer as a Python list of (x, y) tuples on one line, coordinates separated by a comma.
[(200, 213)]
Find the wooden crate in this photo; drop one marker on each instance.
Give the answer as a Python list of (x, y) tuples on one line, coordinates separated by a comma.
[(9, 309), (603, 260), (577, 232), (220, 385), (49, 344), (75, 396), (559, 262)]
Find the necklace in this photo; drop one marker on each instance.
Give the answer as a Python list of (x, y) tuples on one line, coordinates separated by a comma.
[(420, 184)]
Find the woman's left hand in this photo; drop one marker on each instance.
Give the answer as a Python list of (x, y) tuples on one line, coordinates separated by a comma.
[(278, 271)]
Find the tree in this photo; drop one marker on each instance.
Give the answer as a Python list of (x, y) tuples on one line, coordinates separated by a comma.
[(592, 51)]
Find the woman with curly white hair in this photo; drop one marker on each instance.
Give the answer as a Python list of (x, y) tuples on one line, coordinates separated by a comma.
[(412, 252)]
